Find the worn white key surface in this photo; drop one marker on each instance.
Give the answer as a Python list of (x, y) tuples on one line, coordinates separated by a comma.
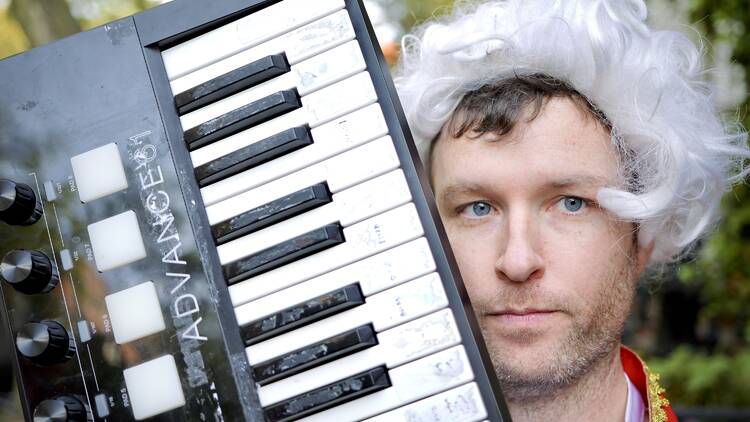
[(340, 172), (374, 274), (244, 33), (335, 137), (348, 207), (300, 44), (384, 310), (397, 346), (318, 108), (424, 377), (364, 239), (307, 77), (461, 404)]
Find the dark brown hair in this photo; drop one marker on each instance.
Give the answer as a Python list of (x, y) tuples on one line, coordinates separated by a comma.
[(497, 108)]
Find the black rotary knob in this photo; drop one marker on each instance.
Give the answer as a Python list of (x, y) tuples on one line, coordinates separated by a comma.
[(45, 342), (18, 204), (29, 272), (60, 409)]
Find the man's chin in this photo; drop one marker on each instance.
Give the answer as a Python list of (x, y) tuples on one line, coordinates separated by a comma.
[(534, 362), (521, 334), (527, 359), (528, 374), (539, 364)]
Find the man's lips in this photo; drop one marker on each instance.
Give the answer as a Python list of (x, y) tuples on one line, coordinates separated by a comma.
[(524, 311), (523, 317)]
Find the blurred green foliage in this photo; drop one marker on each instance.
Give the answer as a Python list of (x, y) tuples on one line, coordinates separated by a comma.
[(13, 38), (696, 378), (421, 10), (720, 270)]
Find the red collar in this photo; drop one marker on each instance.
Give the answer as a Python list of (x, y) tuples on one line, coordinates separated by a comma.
[(647, 384)]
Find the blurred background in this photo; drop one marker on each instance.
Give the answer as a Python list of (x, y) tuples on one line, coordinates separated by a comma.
[(692, 320)]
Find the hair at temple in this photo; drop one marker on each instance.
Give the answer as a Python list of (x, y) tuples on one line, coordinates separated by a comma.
[(649, 84)]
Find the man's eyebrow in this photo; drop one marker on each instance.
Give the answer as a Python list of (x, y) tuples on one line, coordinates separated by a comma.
[(580, 181), (460, 189)]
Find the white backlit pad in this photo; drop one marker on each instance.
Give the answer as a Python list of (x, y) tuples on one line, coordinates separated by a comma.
[(99, 173), (154, 387), (135, 313), (116, 241)]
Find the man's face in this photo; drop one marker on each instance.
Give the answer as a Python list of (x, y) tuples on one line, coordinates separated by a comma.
[(551, 275)]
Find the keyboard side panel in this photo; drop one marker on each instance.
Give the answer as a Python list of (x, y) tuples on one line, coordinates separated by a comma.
[(65, 99)]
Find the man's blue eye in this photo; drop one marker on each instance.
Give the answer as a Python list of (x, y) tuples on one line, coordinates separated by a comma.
[(479, 209), (573, 204)]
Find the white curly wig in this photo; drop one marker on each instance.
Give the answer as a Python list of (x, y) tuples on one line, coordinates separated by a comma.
[(647, 83)]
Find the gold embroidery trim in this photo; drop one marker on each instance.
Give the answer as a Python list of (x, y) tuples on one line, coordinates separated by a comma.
[(656, 400)]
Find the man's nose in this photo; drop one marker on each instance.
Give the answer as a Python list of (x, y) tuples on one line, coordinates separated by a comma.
[(519, 259)]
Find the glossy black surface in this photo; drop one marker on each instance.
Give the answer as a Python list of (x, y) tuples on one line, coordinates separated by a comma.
[(231, 83), (303, 314), (285, 252), (273, 212), (6, 361), (254, 154), (29, 272), (18, 204), (242, 118), (316, 354), (60, 409), (45, 343), (334, 394), (65, 99)]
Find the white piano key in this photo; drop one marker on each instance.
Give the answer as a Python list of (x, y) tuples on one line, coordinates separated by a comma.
[(318, 108), (461, 404), (384, 310), (300, 44), (375, 274), (340, 172), (332, 138), (416, 380), (308, 76), (244, 33), (348, 207), (364, 239), (397, 346)]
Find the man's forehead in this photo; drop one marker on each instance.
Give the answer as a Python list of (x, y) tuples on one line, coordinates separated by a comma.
[(559, 148), (461, 186)]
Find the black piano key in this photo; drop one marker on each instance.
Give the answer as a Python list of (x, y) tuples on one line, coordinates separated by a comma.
[(242, 118), (302, 314), (253, 155), (265, 215), (329, 396), (285, 252), (317, 354), (231, 83)]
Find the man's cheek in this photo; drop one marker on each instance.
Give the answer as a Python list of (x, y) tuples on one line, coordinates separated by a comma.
[(474, 273)]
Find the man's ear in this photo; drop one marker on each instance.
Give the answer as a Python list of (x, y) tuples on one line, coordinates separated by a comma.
[(644, 256)]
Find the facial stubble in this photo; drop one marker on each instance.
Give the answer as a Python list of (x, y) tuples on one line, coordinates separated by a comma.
[(589, 340)]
